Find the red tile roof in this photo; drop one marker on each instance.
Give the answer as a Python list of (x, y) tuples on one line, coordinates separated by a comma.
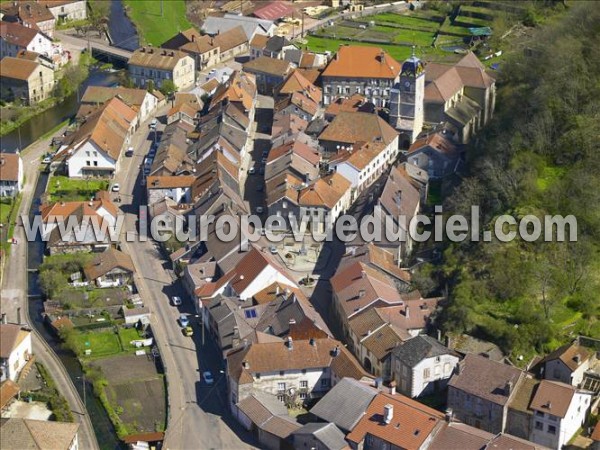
[(9, 166), (553, 398), (274, 11), (362, 62), (411, 425)]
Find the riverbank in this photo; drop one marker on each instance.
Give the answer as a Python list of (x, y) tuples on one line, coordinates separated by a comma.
[(13, 116)]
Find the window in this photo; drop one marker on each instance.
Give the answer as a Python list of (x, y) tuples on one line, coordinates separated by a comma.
[(324, 382), (95, 163), (280, 387), (88, 163), (281, 397), (539, 425), (551, 429), (302, 395), (539, 414), (250, 313), (281, 373), (303, 384), (426, 373)]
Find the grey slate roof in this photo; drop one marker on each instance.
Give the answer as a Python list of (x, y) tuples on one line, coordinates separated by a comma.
[(345, 404), (276, 43), (327, 434), (213, 25), (415, 350)]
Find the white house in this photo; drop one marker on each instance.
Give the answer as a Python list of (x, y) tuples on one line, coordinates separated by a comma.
[(15, 37), (96, 147), (559, 411), (11, 174), (293, 370), (66, 10), (567, 364), (422, 366), (255, 271), (363, 165), (15, 350), (175, 187)]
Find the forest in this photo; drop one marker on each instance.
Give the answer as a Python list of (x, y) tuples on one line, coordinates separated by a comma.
[(539, 155)]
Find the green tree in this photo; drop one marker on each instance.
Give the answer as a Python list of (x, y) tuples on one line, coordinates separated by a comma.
[(168, 87), (52, 282)]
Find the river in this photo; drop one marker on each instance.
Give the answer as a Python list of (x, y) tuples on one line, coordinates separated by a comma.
[(124, 35), (103, 427), (37, 126)]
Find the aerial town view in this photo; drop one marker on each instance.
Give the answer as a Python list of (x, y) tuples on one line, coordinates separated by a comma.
[(300, 224)]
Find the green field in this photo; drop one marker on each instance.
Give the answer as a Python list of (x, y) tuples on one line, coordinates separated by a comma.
[(4, 212), (101, 343), (153, 27), (69, 189), (397, 19)]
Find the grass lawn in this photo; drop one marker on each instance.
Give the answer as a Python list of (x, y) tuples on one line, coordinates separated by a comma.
[(4, 212), (408, 21), (152, 27), (453, 29), (472, 22), (419, 38), (69, 189), (398, 52), (127, 335), (434, 195), (101, 343)]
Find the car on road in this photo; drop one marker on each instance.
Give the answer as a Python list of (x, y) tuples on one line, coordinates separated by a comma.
[(263, 161), (251, 170), (188, 331), (47, 159), (273, 250), (259, 210), (129, 152), (154, 123), (183, 320), (261, 171), (208, 377), (116, 187), (265, 153), (176, 300)]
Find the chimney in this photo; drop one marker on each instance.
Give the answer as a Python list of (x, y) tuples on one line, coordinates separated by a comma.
[(449, 415), (361, 293), (363, 274), (577, 359), (407, 312), (388, 413), (392, 387), (193, 37), (245, 365), (19, 316), (277, 290), (290, 343), (312, 342), (398, 198), (336, 350), (508, 388)]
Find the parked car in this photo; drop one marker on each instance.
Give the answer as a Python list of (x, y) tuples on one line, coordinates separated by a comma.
[(207, 377), (154, 123), (251, 170), (188, 331), (261, 171), (116, 187), (183, 320), (176, 301), (273, 249), (263, 161), (129, 152), (47, 159)]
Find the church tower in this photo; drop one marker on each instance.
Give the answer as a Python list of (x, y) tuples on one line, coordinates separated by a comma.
[(407, 100)]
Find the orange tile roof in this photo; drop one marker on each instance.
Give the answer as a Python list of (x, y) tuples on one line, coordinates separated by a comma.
[(8, 390), (596, 434), (353, 127), (259, 41), (170, 181), (362, 62), (9, 166), (296, 82), (355, 103), (571, 355), (300, 101), (240, 88), (411, 425), (326, 191), (358, 286), (62, 210), (17, 34)]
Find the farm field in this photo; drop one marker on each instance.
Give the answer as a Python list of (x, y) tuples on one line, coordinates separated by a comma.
[(153, 27)]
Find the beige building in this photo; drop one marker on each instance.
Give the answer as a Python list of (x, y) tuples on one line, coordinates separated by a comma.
[(27, 80), (160, 65)]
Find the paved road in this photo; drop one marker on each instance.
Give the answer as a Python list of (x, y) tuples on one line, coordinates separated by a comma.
[(14, 295), (198, 414)]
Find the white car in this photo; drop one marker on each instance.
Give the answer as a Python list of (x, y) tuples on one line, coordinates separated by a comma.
[(154, 123), (259, 210), (176, 301), (207, 377), (116, 187), (251, 170), (47, 160)]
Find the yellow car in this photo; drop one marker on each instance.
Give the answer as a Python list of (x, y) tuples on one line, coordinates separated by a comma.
[(188, 331)]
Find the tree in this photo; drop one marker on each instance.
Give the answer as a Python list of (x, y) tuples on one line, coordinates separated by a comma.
[(150, 86), (98, 15), (168, 87), (52, 282)]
